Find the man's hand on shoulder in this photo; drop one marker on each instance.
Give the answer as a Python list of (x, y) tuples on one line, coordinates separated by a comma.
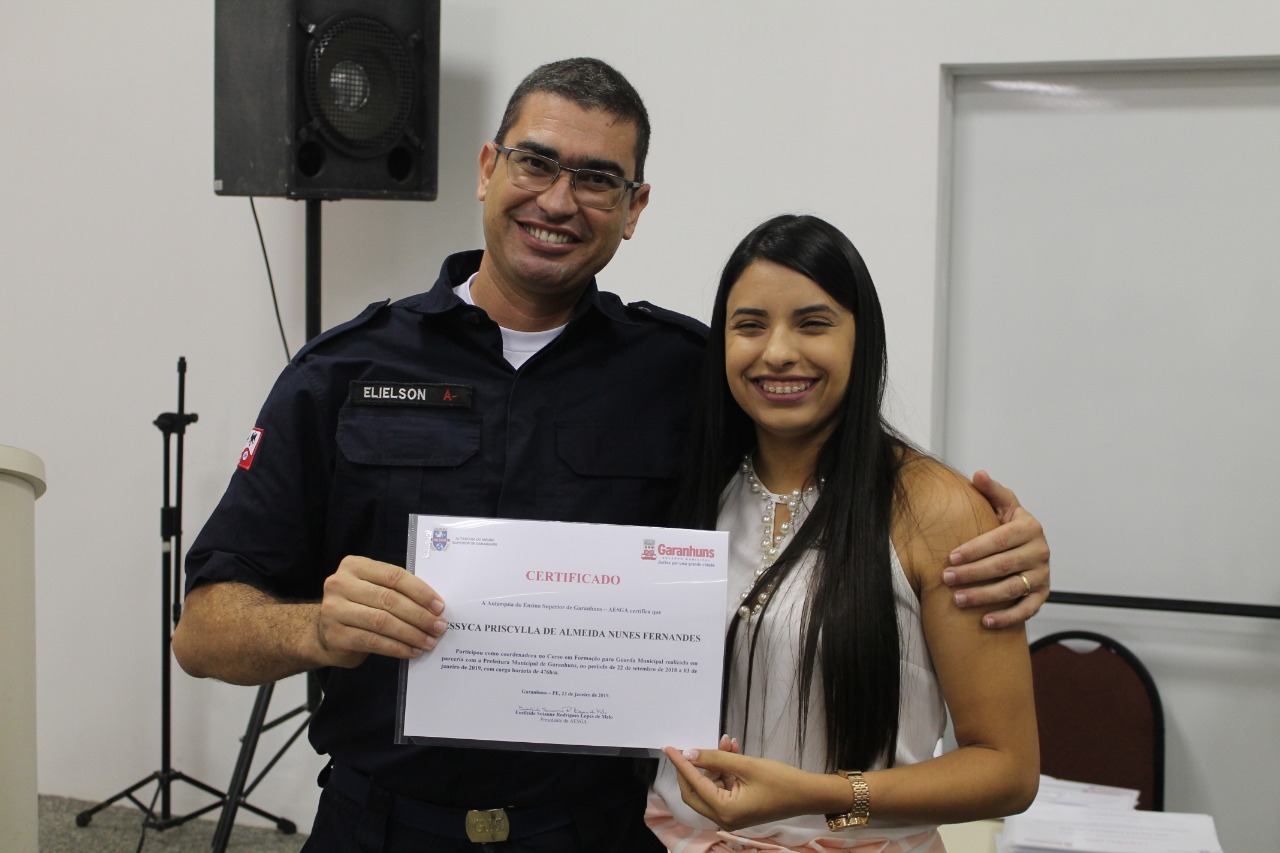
[(1009, 563)]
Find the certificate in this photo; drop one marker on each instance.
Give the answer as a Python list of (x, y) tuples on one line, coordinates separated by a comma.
[(568, 637)]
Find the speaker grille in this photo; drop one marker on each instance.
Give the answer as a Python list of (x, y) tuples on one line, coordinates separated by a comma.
[(360, 85)]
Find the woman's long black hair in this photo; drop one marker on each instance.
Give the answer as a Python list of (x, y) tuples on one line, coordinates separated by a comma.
[(850, 627)]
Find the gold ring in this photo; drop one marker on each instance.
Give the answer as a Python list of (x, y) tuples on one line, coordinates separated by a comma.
[(1025, 583)]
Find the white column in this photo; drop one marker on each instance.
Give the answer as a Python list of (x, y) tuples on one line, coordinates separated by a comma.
[(21, 482)]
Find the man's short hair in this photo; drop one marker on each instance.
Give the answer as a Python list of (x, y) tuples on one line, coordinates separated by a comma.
[(591, 84)]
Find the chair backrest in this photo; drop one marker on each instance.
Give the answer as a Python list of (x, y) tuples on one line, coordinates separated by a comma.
[(1099, 715)]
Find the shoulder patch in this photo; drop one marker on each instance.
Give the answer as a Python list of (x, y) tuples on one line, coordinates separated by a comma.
[(250, 451), (354, 323), (673, 318)]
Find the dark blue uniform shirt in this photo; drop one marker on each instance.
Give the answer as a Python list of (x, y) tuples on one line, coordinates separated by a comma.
[(590, 429)]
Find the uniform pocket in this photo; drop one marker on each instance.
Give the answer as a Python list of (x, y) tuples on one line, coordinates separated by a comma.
[(619, 475), (597, 451), (407, 437), (394, 462)]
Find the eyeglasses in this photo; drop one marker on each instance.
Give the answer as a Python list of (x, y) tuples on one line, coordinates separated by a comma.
[(592, 188)]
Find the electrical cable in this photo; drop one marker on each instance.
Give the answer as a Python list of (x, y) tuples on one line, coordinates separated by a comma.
[(270, 280)]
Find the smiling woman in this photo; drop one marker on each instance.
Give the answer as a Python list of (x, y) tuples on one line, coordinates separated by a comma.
[(846, 644), (788, 353)]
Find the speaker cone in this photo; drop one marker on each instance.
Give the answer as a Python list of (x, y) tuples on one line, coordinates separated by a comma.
[(360, 85)]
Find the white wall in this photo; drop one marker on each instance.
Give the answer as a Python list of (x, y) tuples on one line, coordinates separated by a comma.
[(1138, 281), (116, 258)]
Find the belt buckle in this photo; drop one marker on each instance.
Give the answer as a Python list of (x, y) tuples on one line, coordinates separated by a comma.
[(486, 825)]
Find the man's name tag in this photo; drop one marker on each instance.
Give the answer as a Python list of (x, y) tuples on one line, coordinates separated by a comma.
[(434, 394)]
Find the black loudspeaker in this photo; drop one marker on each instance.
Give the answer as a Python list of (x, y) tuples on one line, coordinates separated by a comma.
[(326, 99)]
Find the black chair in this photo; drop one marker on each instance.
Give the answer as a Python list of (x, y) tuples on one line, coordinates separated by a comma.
[(1099, 715)]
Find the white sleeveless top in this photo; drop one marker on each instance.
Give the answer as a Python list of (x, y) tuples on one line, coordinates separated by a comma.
[(774, 708)]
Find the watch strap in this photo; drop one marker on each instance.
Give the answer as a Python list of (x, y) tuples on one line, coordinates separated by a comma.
[(860, 812)]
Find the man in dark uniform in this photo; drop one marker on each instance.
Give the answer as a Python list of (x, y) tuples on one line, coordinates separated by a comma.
[(513, 388)]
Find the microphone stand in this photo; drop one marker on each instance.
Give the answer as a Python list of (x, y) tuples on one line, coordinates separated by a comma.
[(170, 424)]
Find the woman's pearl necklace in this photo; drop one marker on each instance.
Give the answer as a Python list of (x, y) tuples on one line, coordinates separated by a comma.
[(771, 543)]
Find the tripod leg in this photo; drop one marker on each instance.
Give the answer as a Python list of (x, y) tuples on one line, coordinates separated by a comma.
[(83, 818), (235, 791)]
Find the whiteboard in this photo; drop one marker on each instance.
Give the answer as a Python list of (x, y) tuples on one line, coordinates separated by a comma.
[(1111, 301)]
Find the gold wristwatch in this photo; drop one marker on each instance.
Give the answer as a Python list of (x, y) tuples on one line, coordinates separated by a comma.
[(860, 813)]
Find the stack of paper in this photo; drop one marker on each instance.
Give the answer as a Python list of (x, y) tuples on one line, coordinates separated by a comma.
[(1060, 792), (1069, 816)]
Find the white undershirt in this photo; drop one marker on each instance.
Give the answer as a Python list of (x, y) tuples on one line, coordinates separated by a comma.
[(517, 347)]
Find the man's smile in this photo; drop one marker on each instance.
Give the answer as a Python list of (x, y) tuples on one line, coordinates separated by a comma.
[(547, 236)]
